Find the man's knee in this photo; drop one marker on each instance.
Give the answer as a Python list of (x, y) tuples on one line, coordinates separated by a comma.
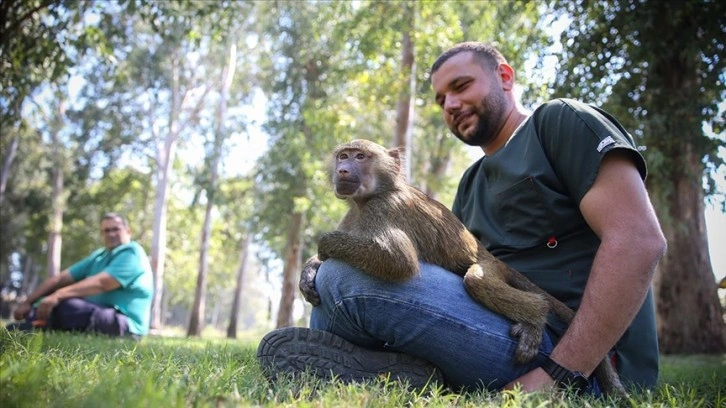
[(108, 321), (335, 278), (333, 272), (71, 314)]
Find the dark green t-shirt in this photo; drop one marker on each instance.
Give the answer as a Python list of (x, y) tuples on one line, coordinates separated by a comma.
[(522, 203)]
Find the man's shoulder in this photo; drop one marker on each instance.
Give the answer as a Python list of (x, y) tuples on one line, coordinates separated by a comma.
[(132, 247), (97, 252), (559, 106)]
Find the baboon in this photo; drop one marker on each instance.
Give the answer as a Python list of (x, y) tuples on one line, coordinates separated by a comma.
[(392, 226)]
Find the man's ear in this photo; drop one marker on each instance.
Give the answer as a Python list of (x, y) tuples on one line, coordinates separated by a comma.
[(506, 74)]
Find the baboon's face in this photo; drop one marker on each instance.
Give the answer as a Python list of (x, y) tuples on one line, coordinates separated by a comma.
[(352, 173), (362, 169)]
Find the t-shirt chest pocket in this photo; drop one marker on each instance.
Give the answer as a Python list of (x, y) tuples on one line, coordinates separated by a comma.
[(521, 212)]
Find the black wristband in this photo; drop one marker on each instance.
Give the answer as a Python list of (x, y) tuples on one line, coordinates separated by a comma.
[(564, 377)]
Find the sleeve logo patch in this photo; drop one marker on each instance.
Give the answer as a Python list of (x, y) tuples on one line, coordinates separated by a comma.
[(604, 143)]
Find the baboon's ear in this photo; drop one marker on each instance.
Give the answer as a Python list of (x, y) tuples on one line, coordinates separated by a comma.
[(397, 154)]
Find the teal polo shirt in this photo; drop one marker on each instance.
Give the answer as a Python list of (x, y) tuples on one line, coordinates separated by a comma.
[(522, 203), (130, 266)]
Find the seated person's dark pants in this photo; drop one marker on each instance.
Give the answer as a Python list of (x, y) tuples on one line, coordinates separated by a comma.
[(77, 314)]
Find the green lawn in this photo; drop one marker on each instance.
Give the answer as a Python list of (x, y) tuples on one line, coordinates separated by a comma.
[(66, 370)]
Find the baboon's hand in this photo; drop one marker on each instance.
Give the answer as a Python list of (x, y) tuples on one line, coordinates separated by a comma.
[(307, 281)]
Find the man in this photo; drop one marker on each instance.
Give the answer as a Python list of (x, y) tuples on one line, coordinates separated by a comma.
[(559, 196), (108, 292)]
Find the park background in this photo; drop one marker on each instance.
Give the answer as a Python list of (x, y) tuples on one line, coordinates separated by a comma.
[(207, 124)]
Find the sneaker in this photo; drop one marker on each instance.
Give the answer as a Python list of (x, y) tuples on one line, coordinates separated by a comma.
[(299, 350), (21, 326)]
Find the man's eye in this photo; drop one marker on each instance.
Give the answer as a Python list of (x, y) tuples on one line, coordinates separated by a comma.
[(461, 86)]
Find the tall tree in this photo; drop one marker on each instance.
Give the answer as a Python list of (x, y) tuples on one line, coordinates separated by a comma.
[(215, 156), (302, 76), (40, 40), (58, 203), (405, 104), (660, 69), (239, 284)]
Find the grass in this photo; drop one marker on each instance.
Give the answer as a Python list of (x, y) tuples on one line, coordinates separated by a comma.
[(74, 370)]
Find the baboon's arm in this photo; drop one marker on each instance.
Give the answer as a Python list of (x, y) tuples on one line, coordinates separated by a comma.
[(389, 254)]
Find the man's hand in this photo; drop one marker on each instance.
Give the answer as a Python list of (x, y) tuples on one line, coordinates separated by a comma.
[(46, 306), (22, 311), (535, 380)]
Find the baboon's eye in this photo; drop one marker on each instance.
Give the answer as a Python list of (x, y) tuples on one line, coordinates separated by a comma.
[(342, 156), (360, 156)]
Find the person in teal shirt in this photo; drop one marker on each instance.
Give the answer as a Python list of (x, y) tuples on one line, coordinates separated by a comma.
[(108, 292)]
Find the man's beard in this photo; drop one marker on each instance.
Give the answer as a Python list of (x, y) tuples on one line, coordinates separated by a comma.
[(491, 117)]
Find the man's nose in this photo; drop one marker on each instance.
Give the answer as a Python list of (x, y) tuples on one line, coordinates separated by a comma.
[(452, 104)]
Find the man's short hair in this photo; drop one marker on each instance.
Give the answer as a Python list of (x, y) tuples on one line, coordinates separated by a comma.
[(486, 54), (115, 216)]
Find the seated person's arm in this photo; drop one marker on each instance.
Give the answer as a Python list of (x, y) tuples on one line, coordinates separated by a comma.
[(92, 285), (49, 285), (618, 210)]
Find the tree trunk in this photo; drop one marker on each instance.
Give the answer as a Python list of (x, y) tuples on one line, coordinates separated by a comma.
[(30, 275), (234, 315), (438, 165), (165, 156), (290, 272), (196, 318), (690, 318), (55, 240), (9, 157), (405, 105)]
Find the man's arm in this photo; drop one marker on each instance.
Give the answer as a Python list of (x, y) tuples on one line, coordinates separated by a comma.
[(618, 210), (92, 285), (47, 286)]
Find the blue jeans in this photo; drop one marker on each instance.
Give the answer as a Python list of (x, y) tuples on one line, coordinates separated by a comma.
[(430, 316)]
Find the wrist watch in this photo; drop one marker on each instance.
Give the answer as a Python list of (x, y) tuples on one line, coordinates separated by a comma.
[(564, 377)]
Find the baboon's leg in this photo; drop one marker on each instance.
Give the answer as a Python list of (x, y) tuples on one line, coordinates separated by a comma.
[(528, 310)]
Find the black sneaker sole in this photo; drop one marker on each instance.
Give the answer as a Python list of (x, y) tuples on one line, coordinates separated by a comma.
[(299, 350)]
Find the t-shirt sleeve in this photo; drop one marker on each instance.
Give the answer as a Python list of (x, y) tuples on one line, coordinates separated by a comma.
[(125, 266), (82, 268), (576, 137)]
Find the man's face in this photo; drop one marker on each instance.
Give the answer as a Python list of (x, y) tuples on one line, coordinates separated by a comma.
[(473, 102), (114, 233)]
